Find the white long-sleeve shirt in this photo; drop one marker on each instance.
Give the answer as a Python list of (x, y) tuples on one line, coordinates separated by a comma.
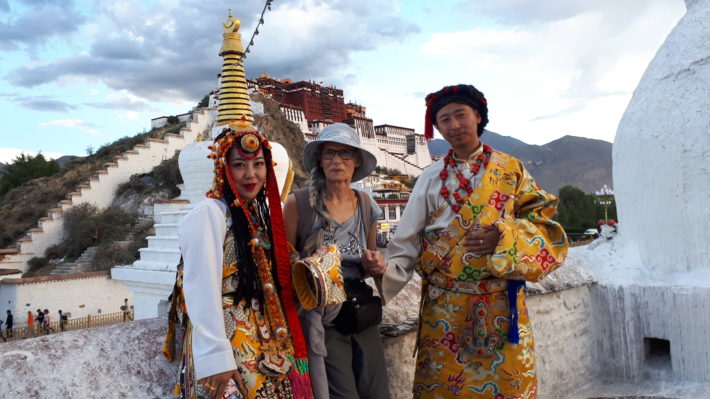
[(201, 235)]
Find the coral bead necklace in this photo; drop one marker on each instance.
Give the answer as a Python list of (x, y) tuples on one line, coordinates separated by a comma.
[(464, 188)]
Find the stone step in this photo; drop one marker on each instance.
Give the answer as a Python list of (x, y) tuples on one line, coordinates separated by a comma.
[(65, 268), (172, 217), (145, 219), (145, 265), (88, 255), (166, 229), (164, 242), (161, 256)]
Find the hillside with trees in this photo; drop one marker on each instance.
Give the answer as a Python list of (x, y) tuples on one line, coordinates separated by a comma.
[(23, 205)]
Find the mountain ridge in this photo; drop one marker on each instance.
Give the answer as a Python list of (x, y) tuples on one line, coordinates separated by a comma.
[(569, 160)]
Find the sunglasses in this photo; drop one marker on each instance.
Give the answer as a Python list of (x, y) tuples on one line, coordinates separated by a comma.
[(345, 154)]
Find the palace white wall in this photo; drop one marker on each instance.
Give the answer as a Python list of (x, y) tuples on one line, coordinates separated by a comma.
[(296, 116)]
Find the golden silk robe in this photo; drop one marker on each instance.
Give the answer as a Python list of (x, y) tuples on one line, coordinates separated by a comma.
[(463, 348)]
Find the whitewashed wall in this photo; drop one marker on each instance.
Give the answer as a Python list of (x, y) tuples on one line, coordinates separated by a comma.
[(668, 119), (95, 291)]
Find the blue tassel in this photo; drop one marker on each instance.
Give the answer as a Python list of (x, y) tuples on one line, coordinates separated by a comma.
[(513, 287)]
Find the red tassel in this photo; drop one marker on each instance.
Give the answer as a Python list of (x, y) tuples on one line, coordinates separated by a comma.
[(428, 128), (283, 265), (300, 384)]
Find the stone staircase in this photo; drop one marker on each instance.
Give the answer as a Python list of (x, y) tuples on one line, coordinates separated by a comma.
[(82, 264), (393, 161), (100, 188), (162, 250), (404, 161)]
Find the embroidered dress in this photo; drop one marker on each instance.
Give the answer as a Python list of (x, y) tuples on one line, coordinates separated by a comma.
[(263, 356), (463, 343)]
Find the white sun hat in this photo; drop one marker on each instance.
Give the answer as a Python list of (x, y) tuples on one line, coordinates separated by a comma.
[(342, 134)]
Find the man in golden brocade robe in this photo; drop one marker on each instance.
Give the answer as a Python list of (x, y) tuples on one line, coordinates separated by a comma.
[(476, 227)]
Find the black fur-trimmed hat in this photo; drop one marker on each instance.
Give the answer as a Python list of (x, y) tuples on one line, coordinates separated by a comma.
[(460, 94)]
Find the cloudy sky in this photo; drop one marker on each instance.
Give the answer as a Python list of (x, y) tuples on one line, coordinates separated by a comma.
[(78, 74)]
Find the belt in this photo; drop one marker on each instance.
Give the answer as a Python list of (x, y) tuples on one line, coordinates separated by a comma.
[(483, 287)]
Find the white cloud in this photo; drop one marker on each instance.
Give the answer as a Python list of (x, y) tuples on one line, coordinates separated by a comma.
[(130, 115), (7, 155), (72, 124), (122, 99), (572, 75)]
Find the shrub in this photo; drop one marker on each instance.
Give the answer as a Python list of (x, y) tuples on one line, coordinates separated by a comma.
[(35, 264), (85, 226), (114, 224), (167, 175), (56, 251), (172, 119), (112, 254), (80, 229), (140, 237), (133, 184)]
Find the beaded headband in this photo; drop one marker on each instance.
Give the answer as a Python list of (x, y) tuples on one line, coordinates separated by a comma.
[(245, 139)]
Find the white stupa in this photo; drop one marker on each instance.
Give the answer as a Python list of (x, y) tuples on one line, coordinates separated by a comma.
[(654, 276), (152, 277)]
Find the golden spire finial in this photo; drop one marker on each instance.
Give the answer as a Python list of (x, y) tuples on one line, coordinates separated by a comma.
[(233, 97), (232, 24)]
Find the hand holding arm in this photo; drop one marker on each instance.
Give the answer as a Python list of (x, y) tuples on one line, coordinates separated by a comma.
[(374, 263)]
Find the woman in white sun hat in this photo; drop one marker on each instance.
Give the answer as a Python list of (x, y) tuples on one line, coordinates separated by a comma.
[(344, 340)]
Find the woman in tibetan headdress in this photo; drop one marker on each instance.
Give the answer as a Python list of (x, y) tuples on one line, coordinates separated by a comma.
[(243, 329)]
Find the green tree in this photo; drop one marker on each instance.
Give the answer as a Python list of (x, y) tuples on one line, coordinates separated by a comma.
[(410, 182), (387, 171), (173, 120), (25, 168), (576, 211), (204, 102)]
